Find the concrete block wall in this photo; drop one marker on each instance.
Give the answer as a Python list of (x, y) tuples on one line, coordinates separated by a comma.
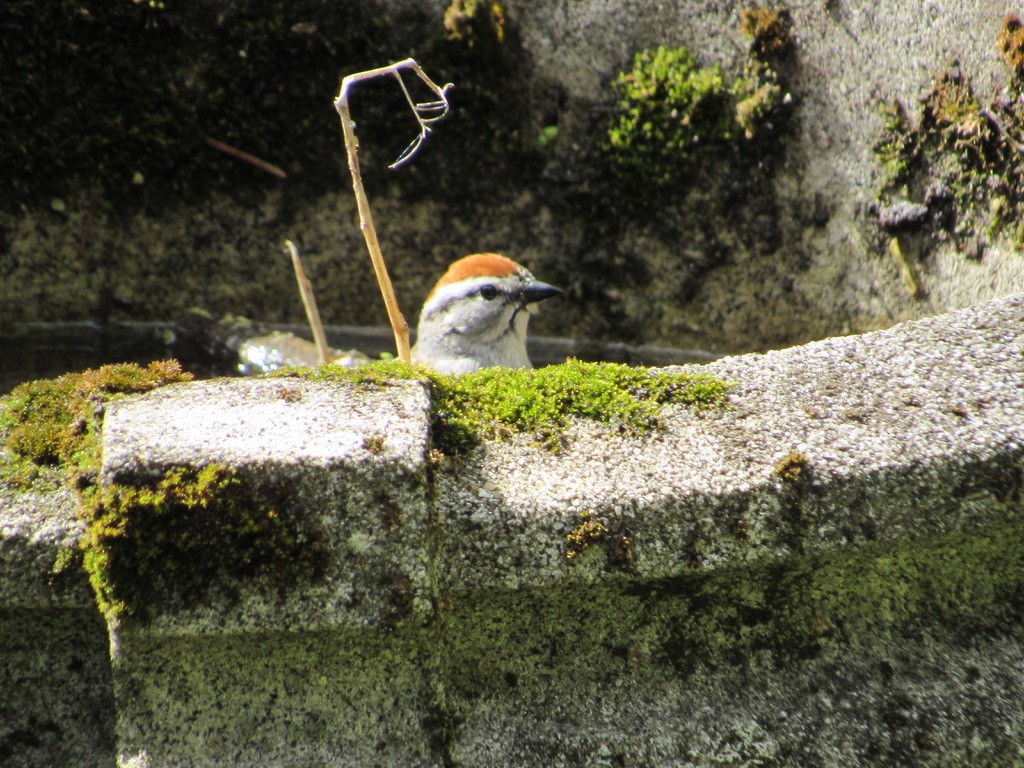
[(827, 571)]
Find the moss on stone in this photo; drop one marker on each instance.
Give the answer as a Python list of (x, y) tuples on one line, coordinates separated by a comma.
[(756, 616), (152, 547), (896, 148), (668, 107), (609, 548), (159, 543), (953, 109), (57, 421), (628, 400), (768, 30), (162, 542), (498, 402), (959, 157), (791, 467), (1010, 42), (672, 113), (588, 533)]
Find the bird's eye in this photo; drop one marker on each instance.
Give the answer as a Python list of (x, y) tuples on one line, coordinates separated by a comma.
[(488, 292)]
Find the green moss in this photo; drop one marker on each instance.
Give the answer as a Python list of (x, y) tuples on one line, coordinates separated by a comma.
[(56, 421), (19, 475), (668, 106), (954, 110), (493, 401), (164, 544), (498, 402), (896, 148), (758, 616), (159, 543), (672, 112)]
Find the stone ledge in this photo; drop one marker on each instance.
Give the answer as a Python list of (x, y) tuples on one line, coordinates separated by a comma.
[(894, 435), (451, 626), (38, 528), (349, 461), (902, 433)]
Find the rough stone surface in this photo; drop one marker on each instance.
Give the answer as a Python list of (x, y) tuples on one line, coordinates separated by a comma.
[(826, 572), (36, 527), (897, 704), (350, 456), (903, 433), (56, 691), (56, 696), (830, 273)]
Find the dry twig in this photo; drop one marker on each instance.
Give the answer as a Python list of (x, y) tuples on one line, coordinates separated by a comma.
[(309, 301), (260, 163), (427, 113)]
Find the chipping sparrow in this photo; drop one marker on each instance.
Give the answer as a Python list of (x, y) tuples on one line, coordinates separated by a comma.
[(476, 315)]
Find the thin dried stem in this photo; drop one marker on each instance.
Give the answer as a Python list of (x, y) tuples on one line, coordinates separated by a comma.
[(309, 301), (896, 251), (426, 113), (990, 116), (259, 162)]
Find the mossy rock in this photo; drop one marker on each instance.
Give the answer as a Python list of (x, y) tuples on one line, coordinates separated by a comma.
[(499, 402), (958, 154), (164, 542)]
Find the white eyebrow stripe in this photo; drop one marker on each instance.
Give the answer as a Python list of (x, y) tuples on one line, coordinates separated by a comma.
[(449, 293)]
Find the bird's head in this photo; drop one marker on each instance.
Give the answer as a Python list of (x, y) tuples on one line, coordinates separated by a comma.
[(476, 315)]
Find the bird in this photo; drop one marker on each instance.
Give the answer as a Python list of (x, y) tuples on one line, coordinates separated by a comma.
[(476, 315)]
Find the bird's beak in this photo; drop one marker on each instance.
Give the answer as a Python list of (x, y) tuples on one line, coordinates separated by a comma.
[(535, 292)]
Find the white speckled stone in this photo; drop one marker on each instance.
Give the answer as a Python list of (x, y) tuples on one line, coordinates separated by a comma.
[(344, 457), (902, 430)]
